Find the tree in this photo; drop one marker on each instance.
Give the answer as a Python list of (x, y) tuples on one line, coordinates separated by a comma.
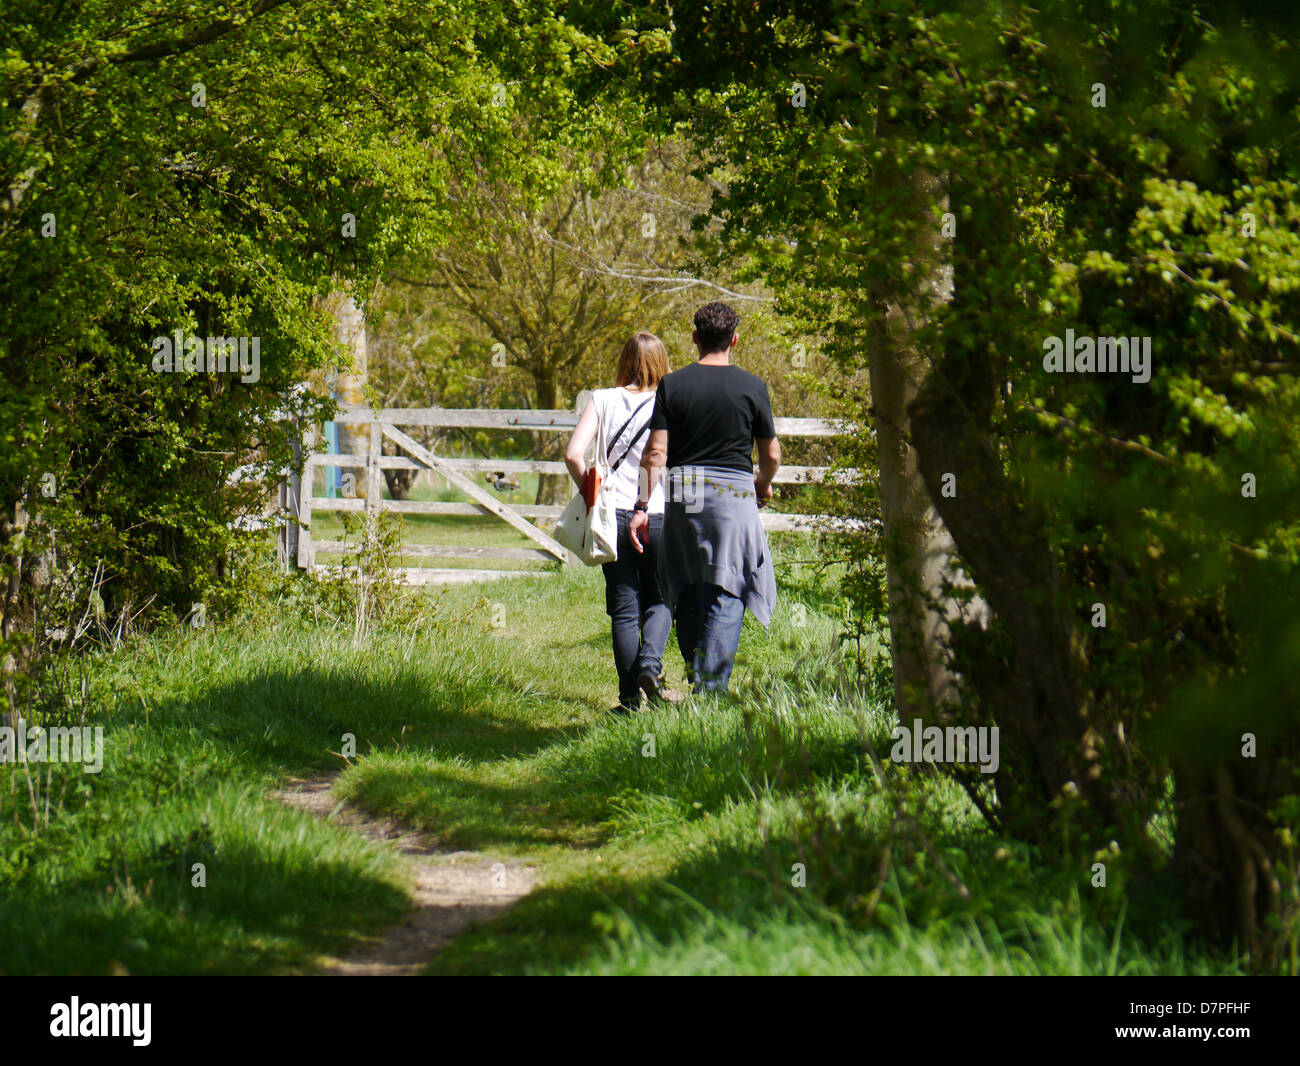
[(558, 283), (170, 169)]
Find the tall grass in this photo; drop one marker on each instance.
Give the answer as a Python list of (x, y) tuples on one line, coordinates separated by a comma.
[(760, 833)]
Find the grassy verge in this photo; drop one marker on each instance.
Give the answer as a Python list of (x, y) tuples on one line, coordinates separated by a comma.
[(752, 835), (747, 835)]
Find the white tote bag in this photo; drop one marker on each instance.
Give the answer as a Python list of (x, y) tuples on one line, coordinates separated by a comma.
[(589, 525)]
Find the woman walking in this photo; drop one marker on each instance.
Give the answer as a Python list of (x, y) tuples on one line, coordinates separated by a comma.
[(639, 619)]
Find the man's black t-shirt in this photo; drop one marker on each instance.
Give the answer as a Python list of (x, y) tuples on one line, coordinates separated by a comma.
[(713, 415)]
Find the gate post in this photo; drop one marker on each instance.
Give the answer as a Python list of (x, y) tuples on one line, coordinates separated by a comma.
[(306, 553), (286, 537), (374, 475)]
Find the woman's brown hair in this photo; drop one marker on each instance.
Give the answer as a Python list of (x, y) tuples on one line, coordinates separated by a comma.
[(642, 362)]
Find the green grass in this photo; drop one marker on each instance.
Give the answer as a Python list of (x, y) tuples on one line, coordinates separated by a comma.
[(498, 738)]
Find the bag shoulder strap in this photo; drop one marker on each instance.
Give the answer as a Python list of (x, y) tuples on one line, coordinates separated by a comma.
[(614, 438), (639, 434)]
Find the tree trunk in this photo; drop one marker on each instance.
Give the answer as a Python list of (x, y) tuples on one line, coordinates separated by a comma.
[(553, 490), (1229, 860), (1027, 680), (919, 549), (350, 332), (1236, 765), (400, 482)]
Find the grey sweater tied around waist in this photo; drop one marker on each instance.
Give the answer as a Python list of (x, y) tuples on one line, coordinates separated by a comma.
[(712, 534)]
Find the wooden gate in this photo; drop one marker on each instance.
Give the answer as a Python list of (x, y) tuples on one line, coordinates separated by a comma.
[(522, 517)]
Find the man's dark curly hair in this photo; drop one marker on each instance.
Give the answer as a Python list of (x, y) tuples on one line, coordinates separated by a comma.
[(715, 325)]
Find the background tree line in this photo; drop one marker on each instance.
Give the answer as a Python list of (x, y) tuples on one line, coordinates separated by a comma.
[(530, 302)]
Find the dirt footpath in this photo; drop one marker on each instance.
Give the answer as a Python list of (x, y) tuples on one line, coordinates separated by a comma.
[(452, 888)]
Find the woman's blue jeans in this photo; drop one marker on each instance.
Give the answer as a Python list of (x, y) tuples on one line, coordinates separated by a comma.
[(639, 618)]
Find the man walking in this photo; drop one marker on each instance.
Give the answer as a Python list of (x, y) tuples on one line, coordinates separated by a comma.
[(714, 560)]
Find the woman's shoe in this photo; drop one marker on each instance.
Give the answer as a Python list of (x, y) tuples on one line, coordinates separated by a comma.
[(649, 683)]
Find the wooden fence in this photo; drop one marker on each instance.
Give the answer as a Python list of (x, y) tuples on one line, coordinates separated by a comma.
[(297, 542)]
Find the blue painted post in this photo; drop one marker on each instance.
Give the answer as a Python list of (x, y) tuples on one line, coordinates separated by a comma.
[(332, 484)]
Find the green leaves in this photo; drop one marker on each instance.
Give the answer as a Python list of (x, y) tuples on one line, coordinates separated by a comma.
[(221, 212)]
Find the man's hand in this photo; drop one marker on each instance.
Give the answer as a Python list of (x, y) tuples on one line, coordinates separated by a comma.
[(769, 462), (640, 523)]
